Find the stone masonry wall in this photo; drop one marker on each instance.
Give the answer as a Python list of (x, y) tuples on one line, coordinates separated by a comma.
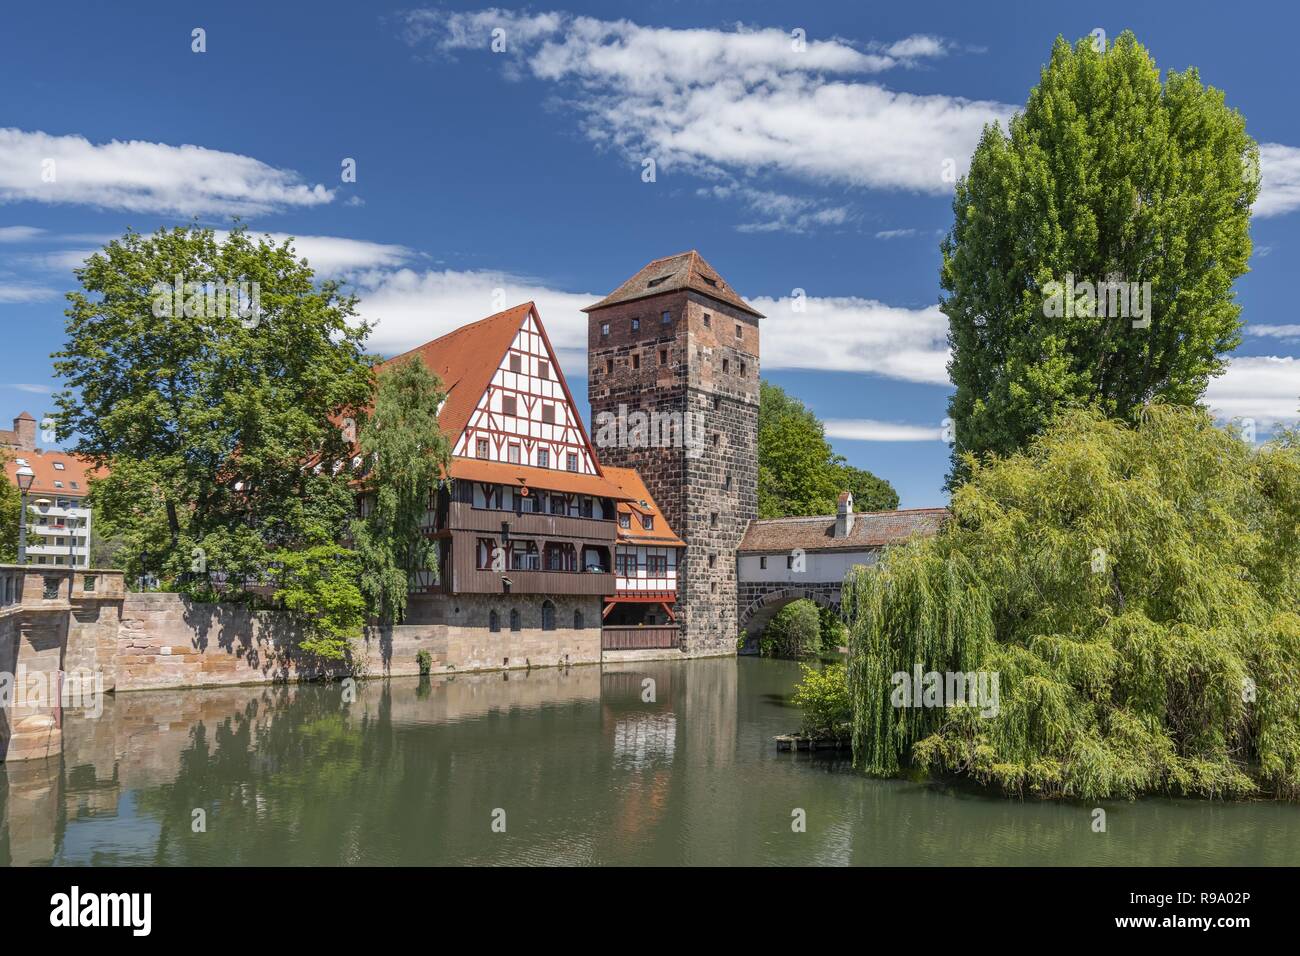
[(712, 371)]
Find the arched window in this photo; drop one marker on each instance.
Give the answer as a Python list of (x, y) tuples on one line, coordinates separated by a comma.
[(514, 619), (548, 616), (577, 621), (494, 621)]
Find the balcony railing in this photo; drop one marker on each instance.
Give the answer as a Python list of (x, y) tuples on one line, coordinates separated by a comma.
[(639, 637)]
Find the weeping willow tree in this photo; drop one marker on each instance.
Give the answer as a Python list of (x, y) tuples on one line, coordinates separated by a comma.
[(1134, 589)]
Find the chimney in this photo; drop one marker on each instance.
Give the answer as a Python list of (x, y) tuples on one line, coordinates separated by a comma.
[(844, 515), (25, 432)]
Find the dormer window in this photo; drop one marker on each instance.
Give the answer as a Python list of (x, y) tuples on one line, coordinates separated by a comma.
[(624, 521), (648, 522), (660, 281), (710, 280), (58, 466)]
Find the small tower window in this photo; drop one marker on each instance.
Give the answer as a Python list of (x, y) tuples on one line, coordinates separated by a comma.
[(604, 330), (663, 356), (636, 325), (609, 366), (726, 365), (667, 318), (636, 360), (742, 369), (713, 519), (738, 333), (708, 320)]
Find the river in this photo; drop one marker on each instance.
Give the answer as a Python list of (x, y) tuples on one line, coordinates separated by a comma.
[(658, 763)]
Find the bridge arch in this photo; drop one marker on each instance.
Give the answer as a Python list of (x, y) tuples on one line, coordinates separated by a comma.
[(763, 603)]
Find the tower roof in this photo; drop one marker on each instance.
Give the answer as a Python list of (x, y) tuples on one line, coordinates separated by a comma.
[(686, 270)]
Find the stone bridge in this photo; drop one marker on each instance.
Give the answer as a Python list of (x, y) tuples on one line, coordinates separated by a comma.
[(760, 600)]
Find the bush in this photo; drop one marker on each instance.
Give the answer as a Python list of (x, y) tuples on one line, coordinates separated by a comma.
[(425, 661), (823, 695), (794, 632)]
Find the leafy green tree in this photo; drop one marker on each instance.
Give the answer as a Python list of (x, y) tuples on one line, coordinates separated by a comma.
[(798, 473), (318, 585), (206, 404), (1106, 174), (794, 631), (408, 453), (10, 512), (1133, 587)]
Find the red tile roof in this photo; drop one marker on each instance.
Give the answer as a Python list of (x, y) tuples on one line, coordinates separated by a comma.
[(686, 270), (640, 503), (465, 360), (550, 479), (42, 463), (871, 529)]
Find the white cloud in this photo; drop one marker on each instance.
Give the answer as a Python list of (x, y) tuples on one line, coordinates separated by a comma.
[(779, 212), (25, 292), (711, 101), (869, 429), (19, 233), (411, 307), (138, 176), (329, 256), (850, 334), (1279, 185), (34, 389), (1285, 332), (896, 233), (1265, 388)]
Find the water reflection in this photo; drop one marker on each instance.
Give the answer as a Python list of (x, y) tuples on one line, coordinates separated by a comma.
[(650, 763)]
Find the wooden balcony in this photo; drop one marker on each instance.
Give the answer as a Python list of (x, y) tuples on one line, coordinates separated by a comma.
[(640, 637)]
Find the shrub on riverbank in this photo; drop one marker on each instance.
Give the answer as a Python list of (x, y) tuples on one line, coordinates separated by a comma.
[(1135, 591), (823, 696)]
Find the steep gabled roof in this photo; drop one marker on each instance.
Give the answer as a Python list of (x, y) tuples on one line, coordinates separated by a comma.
[(465, 360), (53, 465), (871, 529), (686, 270), (638, 502)]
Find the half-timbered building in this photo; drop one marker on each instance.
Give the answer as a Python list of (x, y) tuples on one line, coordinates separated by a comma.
[(528, 522)]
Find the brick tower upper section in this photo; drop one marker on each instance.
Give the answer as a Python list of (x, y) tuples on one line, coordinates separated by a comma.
[(676, 342)]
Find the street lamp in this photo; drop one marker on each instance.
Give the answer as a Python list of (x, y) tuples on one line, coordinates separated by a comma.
[(25, 477)]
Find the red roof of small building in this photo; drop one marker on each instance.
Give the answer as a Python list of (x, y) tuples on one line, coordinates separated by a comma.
[(74, 474), (637, 504), (871, 529)]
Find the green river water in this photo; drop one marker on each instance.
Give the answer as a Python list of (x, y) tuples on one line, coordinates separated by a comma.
[(576, 765)]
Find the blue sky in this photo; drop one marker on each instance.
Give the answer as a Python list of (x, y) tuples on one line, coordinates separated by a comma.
[(818, 170)]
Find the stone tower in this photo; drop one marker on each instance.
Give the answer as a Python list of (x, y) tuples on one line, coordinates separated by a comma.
[(677, 344)]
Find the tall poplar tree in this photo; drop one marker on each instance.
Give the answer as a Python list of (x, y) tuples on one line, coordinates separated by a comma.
[(1107, 174)]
